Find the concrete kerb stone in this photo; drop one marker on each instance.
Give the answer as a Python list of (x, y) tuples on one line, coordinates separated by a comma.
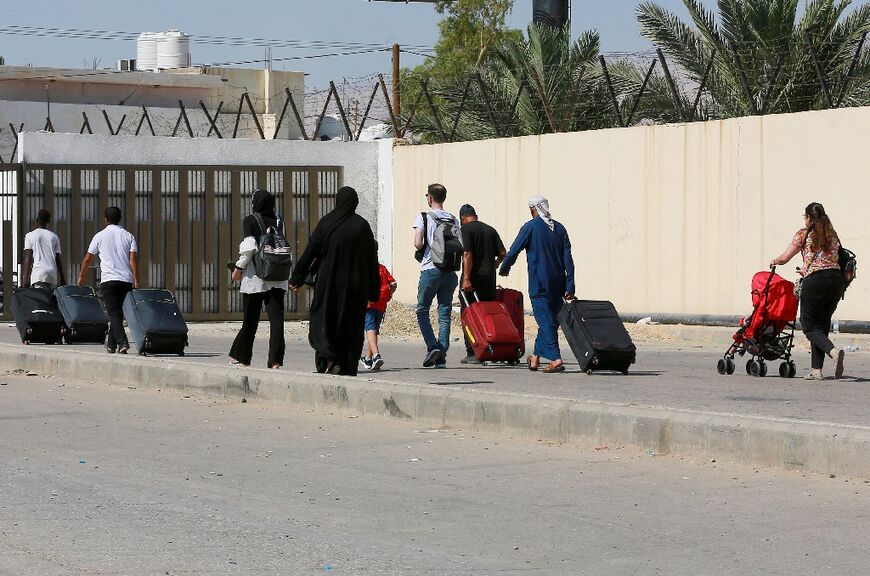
[(810, 446)]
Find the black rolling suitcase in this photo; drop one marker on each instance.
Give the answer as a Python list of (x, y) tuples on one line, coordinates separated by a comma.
[(36, 316), (155, 321), (82, 313), (597, 336)]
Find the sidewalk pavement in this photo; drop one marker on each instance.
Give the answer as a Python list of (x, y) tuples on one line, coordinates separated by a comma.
[(673, 400)]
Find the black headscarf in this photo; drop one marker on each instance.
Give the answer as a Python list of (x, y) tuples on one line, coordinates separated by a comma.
[(262, 203), (346, 202)]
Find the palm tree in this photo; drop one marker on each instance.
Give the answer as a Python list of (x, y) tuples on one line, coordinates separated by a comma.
[(537, 85), (763, 57)]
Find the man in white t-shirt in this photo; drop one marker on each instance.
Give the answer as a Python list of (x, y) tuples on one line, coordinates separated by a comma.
[(42, 264), (119, 274), (434, 282)]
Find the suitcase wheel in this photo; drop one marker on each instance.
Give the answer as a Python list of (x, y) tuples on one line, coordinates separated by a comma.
[(589, 371), (26, 342), (625, 372), (181, 353), (142, 353)]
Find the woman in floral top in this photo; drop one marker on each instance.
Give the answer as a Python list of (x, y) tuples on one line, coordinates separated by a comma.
[(822, 286)]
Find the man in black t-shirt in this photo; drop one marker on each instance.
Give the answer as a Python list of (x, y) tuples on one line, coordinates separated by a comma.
[(483, 252)]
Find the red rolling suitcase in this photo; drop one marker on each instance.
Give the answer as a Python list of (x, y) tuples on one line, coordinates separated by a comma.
[(491, 331), (513, 301)]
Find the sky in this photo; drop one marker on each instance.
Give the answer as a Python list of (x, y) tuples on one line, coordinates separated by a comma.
[(348, 21)]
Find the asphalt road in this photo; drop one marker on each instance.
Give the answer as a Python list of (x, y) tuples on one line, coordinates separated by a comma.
[(99, 480), (676, 375)]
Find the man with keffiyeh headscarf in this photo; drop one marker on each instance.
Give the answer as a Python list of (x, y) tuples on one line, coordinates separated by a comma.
[(551, 278)]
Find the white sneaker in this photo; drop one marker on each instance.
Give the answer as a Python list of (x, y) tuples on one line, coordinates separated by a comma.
[(377, 362)]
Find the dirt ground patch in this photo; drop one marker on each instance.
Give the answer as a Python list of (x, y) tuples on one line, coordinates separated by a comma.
[(400, 323)]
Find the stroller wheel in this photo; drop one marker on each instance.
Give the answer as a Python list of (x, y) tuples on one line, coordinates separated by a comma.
[(729, 366), (754, 368), (784, 370), (721, 366), (762, 369)]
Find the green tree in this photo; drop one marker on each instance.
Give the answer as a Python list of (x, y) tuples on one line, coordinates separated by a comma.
[(761, 60), (468, 35), (537, 85), (469, 32)]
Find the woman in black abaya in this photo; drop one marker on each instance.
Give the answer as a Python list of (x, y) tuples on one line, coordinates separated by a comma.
[(342, 250)]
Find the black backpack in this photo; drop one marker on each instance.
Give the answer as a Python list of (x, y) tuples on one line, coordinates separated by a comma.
[(848, 266), (272, 260)]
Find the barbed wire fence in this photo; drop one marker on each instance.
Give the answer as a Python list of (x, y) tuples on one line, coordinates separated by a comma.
[(355, 103)]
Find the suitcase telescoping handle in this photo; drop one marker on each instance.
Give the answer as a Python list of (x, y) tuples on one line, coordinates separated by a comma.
[(464, 295)]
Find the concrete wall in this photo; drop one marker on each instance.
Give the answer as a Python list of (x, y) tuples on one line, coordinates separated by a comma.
[(265, 87), (359, 160), (23, 99), (672, 218)]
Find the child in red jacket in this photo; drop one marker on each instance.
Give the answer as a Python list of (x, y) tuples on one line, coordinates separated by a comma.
[(374, 318)]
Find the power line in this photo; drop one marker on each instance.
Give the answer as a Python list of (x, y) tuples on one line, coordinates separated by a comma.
[(91, 34), (309, 57)]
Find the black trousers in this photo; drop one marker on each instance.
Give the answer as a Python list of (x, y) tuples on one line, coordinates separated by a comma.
[(487, 294), (114, 292), (252, 304), (820, 294)]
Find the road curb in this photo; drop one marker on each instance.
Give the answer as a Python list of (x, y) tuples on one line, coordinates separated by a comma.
[(761, 441)]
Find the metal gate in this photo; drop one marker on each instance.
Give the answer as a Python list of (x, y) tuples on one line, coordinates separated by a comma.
[(9, 238), (187, 221)]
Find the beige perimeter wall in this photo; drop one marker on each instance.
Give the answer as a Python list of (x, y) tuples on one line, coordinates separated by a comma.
[(663, 219)]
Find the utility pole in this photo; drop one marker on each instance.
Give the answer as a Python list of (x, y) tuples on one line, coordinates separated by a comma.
[(397, 103), (48, 125)]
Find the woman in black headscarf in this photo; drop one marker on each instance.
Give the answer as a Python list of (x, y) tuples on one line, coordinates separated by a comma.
[(342, 250), (257, 292)]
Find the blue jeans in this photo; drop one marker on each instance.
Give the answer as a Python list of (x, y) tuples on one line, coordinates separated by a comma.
[(443, 285)]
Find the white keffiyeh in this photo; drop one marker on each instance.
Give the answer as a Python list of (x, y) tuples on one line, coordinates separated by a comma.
[(542, 205)]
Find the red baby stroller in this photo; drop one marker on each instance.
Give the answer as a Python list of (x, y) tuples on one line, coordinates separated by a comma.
[(768, 333)]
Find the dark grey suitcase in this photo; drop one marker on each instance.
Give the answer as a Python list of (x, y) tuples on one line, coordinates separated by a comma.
[(597, 336), (82, 313), (155, 321), (36, 316)]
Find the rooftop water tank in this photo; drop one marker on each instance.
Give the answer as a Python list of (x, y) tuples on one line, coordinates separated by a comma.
[(146, 51), (173, 50)]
